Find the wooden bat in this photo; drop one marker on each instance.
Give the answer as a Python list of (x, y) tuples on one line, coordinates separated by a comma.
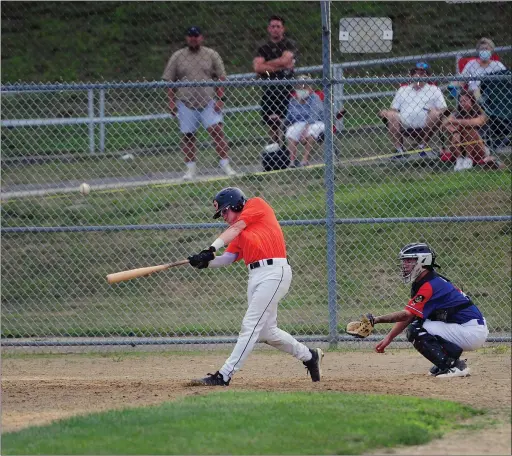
[(141, 272)]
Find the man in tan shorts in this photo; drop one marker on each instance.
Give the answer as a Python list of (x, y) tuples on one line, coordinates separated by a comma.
[(198, 105)]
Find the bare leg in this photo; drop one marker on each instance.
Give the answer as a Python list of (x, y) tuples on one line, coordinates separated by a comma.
[(394, 127), (188, 145), (217, 134), (275, 128), (292, 148), (432, 124), (308, 144)]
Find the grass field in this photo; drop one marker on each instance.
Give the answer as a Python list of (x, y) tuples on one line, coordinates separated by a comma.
[(249, 423), (91, 41), (55, 283)]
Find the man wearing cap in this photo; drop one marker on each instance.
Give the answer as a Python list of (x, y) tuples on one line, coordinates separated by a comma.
[(417, 106), (198, 105), (275, 60)]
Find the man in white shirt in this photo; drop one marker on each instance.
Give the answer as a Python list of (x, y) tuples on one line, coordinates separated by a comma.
[(417, 106)]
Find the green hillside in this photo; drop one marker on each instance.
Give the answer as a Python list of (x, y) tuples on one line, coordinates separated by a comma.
[(92, 41)]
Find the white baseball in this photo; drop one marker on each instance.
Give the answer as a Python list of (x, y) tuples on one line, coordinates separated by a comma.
[(85, 189)]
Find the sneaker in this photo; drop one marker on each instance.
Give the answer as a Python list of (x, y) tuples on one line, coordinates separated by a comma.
[(191, 172), (434, 370), (303, 164), (468, 163), (295, 164), (228, 170), (274, 147), (423, 153), (210, 380), (459, 164), (314, 365), (459, 369)]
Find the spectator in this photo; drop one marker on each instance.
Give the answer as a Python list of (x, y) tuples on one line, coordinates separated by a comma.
[(466, 145), (305, 122), (197, 105), (481, 66), (275, 60), (417, 107)]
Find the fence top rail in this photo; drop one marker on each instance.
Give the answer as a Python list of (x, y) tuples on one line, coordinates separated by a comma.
[(388, 61), (239, 83), (245, 79)]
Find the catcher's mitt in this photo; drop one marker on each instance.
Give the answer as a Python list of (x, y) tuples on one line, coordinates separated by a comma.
[(361, 328)]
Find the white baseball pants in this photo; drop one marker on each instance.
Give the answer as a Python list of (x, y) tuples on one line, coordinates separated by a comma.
[(468, 336), (267, 286)]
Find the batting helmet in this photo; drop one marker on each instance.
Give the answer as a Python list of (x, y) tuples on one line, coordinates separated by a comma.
[(231, 197), (425, 258)]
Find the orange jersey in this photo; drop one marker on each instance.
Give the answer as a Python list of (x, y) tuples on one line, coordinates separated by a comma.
[(262, 238)]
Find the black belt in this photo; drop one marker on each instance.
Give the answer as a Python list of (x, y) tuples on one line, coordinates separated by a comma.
[(258, 264)]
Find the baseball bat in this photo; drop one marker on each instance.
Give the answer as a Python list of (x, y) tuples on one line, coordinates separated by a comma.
[(141, 272)]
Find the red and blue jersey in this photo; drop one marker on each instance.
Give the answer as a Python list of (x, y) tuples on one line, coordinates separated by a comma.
[(433, 293)]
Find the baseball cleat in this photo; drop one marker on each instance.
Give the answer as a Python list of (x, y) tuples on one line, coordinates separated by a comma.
[(434, 370), (210, 380), (314, 365), (459, 369)]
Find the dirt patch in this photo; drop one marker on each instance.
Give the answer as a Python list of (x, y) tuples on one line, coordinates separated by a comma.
[(38, 390)]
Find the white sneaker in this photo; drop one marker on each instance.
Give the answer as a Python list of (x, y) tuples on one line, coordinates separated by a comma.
[(274, 147), (228, 170), (459, 164), (191, 172), (460, 369), (468, 163)]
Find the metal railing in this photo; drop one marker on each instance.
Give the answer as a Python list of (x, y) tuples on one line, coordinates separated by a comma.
[(91, 120)]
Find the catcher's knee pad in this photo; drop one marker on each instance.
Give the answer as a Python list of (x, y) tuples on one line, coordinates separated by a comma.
[(414, 329), (437, 350)]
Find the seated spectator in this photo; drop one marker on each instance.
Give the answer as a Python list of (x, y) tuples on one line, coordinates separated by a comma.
[(466, 144), (304, 122), (416, 109), (481, 66)]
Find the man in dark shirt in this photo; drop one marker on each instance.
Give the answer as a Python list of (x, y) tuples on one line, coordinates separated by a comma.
[(275, 60)]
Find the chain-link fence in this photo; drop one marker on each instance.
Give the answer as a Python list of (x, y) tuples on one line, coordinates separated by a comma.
[(367, 125)]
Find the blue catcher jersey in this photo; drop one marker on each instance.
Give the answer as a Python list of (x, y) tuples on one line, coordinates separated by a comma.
[(433, 293)]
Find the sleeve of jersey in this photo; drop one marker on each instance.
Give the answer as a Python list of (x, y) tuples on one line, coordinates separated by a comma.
[(417, 303), (253, 211)]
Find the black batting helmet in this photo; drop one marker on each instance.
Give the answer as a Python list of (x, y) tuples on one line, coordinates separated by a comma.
[(231, 197)]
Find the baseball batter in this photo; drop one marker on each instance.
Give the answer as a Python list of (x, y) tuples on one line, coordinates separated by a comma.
[(254, 235), (443, 321)]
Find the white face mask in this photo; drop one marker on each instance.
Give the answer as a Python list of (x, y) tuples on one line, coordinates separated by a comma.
[(484, 54), (302, 93)]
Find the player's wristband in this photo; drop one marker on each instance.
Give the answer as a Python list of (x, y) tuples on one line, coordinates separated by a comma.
[(218, 244)]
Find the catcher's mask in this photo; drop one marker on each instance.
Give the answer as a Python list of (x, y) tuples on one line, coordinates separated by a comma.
[(425, 259), (229, 197)]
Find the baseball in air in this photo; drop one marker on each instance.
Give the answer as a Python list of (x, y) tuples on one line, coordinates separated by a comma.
[(85, 189)]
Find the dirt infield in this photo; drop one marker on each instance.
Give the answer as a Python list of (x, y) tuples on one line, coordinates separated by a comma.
[(38, 390)]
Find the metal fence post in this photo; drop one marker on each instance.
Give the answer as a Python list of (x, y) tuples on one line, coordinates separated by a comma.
[(90, 97), (102, 123), (329, 174)]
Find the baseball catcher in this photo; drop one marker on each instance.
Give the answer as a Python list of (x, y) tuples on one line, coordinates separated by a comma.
[(362, 328), (441, 320)]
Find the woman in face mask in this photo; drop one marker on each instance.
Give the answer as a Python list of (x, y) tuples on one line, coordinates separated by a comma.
[(304, 121), (481, 66)]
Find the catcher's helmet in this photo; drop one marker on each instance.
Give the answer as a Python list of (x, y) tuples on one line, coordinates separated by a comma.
[(231, 197), (425, 258)]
